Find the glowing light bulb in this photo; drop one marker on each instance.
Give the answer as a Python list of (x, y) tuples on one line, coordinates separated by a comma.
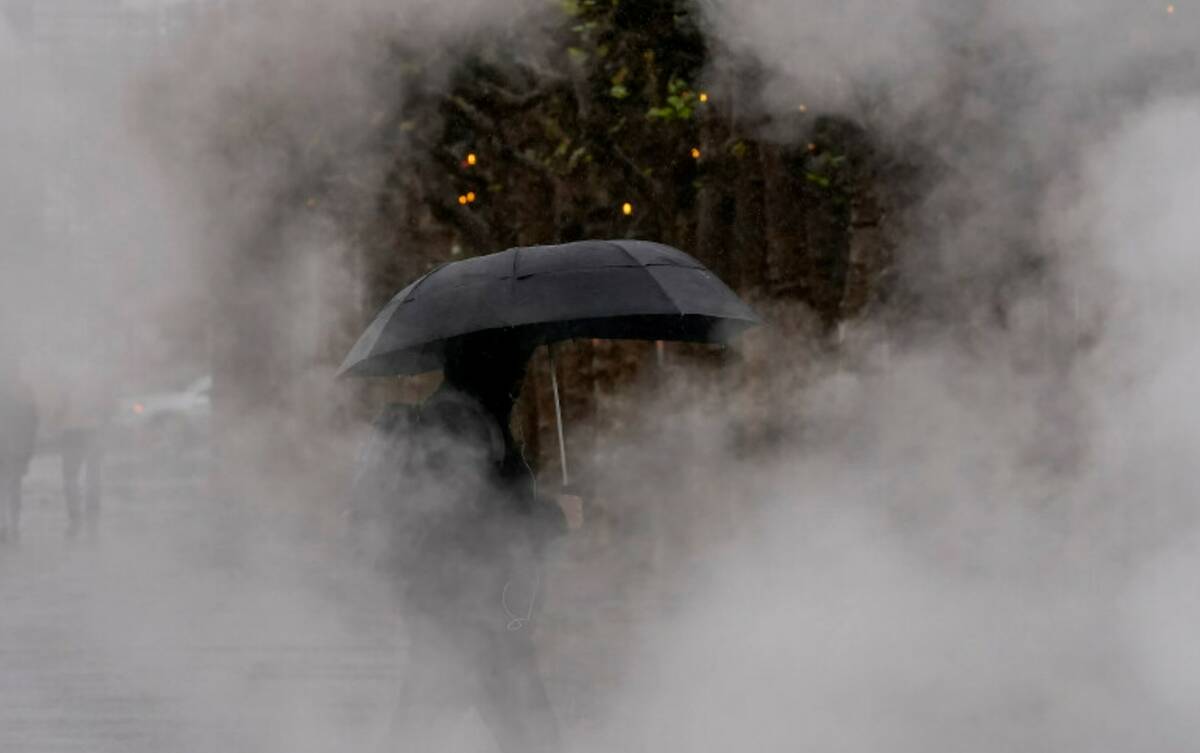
[(1170, 9), (803, 108), (703, 96), (470, 197), (627, 209), (695, 153), (472, 159), (462, 199)]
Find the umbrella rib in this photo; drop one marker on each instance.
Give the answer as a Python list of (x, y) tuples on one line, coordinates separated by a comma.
[(661, 288), (421, 281), (512, 283)]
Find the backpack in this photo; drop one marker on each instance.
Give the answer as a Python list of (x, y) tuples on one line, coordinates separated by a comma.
[(409, 476), (383, 464)]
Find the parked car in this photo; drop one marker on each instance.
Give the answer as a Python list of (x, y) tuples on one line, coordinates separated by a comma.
[(168, 421)]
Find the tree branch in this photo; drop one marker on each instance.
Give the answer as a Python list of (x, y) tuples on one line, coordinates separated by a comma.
[(486, 124), (514, 101)]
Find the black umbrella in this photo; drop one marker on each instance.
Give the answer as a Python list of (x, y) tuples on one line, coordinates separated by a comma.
[(592, 289)]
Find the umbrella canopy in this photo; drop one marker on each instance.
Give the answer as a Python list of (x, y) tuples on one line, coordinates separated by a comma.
[(618, 289)]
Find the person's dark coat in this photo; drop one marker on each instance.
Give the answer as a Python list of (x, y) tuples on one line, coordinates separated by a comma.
[(453, 515), (449, 509)]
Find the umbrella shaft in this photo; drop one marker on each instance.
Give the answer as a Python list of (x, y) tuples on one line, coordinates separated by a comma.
[(562, 443)]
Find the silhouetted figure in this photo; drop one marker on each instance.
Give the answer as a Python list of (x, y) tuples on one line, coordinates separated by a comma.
[(18, 439), (467, 537), (83, 417)]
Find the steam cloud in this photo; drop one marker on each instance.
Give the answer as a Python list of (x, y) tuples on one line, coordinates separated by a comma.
[(985, 542)]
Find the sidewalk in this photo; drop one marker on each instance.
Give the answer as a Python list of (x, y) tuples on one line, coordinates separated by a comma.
[(156, 637), (184, 628)]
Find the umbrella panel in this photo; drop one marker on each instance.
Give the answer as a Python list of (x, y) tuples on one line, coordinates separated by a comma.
[(674, 328)]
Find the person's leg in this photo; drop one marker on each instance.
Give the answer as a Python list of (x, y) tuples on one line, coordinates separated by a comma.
[(514, 702), (420, 722), (6, 504), (435, 693), (15, 501), (72, 462), (93, 465)]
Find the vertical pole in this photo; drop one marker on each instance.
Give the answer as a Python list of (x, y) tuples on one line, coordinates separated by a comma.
[(562, 443)]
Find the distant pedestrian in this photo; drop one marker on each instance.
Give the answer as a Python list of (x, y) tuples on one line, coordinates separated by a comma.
[(84, 412), (18, 438)]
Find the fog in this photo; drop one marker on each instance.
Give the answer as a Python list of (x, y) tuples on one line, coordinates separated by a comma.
[(982, 543), (980, 539)]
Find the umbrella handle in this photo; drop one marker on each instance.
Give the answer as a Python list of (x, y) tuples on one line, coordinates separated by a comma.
[(562, 443)]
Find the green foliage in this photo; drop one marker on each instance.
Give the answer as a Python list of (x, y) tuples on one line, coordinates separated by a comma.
[(609, 113), (681, 102), (826, 171), (619, 90), (580, 154)]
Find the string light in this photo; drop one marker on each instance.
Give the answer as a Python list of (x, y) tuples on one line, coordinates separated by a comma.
[(695, 153), (803, 108), (812, 147), (627, 209), (1170, 9), (703, 97), (472, 159), (470, 197), (462, 199)]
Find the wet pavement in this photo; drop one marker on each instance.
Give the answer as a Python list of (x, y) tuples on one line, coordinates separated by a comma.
[(178, 628), (187, 626)]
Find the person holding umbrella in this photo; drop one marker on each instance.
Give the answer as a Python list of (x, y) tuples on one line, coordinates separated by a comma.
[(467, 552), (447, 485)]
